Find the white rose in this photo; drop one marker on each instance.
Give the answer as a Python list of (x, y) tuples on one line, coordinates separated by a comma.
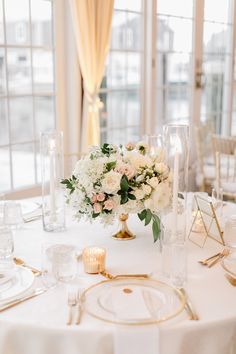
[(161, 168), (153, 182), (139, 194), (138, 161), (147, 189), (161, 196), (111, 182)]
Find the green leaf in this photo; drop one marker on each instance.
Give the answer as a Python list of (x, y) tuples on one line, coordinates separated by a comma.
[(142, 215), (110, 165), (124, 183), (156, 219), (156, 230), (148, 217), (123, 199), (180, 195), (131, 196)]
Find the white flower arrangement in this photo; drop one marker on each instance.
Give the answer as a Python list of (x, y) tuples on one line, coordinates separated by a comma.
[(109, 181)]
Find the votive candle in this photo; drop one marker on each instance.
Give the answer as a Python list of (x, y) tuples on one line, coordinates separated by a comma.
[(94, 259)]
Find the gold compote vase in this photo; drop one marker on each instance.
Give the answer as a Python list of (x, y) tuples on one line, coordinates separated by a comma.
[(124, 234)]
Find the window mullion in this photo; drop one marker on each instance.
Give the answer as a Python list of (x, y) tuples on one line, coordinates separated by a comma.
[(7, 91), (149, 67), (228, 89)]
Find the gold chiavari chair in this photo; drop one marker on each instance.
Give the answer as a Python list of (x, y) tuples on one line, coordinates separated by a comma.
[(225, 160), (205, 174)]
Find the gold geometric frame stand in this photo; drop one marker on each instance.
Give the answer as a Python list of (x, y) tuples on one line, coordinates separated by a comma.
[(210, 222)]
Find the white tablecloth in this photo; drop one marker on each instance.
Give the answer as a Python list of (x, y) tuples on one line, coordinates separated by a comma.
[(38, 326)]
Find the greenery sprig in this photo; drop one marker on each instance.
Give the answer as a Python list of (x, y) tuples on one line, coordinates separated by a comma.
[(146, 215)]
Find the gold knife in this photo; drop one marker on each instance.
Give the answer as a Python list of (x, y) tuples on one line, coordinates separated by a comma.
[(13, 303), (189, 307)]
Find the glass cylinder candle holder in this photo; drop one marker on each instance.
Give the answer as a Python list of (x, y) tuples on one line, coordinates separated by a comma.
[(155, 144), (94, 260), (176, 140), (52, 168)]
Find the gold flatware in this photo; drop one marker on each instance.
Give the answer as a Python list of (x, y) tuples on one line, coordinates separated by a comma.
[(13, 303), (231, 279), (110, 276), (189, 306), (71, 302), (222, 254), (205, 261), (79, 306), (19, 261)]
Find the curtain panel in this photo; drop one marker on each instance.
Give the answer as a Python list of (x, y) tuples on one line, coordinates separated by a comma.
[(92, 27)]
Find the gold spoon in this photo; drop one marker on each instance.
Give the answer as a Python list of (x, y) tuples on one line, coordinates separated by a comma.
[(110, 276), (20, 262)]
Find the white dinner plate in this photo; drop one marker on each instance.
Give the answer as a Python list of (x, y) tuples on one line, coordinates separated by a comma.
[(19, 283), (133, 301)]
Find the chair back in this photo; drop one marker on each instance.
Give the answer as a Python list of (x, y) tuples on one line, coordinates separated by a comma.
[(225, 158)]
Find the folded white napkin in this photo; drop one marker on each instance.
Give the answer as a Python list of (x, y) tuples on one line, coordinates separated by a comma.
[(133, 339)]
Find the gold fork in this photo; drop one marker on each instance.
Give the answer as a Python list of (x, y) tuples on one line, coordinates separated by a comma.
[(222, 254), (71, 301), (206, 261), (19, 261)]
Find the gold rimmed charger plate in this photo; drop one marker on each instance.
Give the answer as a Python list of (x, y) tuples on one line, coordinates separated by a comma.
[(133, 301), (229, 264)]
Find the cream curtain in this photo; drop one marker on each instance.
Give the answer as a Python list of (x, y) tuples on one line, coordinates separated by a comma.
[(92, 27)]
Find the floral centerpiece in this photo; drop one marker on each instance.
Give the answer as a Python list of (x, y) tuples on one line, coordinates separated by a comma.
[(112, 180)]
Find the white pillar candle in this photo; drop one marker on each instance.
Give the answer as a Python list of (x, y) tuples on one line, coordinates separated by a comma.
[(175, 192)]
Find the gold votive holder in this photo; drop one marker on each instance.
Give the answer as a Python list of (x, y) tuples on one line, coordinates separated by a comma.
[(94, 259)]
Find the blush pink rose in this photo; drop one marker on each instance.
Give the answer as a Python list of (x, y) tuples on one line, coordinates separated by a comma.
[(100, 197), (109, 204), (97, 208), (94, 198)]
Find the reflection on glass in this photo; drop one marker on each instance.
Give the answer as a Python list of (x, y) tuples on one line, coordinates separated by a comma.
[(5, 177), (175, 8), (133, 108), (117, 69), (170, 34), (23, 165), (125, 126), (21, 119), (216, 36), (133, 69), (43, 71), (220, 13), (17, 19), (131, 5), (134, 32), (19, 74), (44, 114), (4, 138), (118, 35), (41, 13), (2, 72)]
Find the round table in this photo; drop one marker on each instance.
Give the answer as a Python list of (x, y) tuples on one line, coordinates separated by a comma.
[(39, 325)]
